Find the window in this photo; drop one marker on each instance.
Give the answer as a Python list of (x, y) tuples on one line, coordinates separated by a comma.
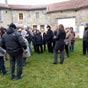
[(20, 16), (34, 27), (42, 28), (29, 15), (37, 14), (0, 15)]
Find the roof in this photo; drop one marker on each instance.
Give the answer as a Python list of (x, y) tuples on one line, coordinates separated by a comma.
[(61, 6), (3, 5), (67, 5), (27, 7)]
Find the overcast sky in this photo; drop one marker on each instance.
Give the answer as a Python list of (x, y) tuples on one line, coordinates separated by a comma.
[(31, 2)]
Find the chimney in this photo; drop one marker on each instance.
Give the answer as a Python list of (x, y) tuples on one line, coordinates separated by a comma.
[(6, 2)]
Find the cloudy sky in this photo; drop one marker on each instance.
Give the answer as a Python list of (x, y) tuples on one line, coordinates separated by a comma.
[(31, 2)]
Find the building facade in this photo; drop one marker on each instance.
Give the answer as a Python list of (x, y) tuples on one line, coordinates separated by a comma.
[(39, 16)]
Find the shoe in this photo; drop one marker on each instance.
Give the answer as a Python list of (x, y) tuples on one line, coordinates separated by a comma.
[(24, 64), (4, 73), (61, 62), (54, 63), (13, 77), (19, 77), (82, 54)]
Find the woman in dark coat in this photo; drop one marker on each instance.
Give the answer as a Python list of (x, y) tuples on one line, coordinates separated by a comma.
[(59, 45)]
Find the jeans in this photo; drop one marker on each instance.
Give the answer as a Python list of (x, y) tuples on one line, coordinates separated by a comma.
[(67, 50), (2, 66), (30, 48), (19, 60), (84, 47), (50, 47), (56, 56), (72, 47)]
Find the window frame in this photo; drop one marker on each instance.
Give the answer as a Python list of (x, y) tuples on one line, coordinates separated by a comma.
[(37, 14), (21, 18), (1, 14)]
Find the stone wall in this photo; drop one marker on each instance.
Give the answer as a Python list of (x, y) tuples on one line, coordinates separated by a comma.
[(6, 17), (30, 17), (45, 18), (53, 17), (81, 17)]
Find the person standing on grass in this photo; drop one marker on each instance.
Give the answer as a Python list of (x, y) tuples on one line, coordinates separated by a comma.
[(67, 41), (39, 42), (44, 41), (59, 45), (85, 39), (27, 54), (34, 40), (72, 39), (14, 44), (54, 35), (2, 55), (49, 38), (29, 38)]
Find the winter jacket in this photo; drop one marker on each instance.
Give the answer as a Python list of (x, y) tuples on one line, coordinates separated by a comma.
[(34, 40), (72, 36), (49, 35), (68, 37), (29, 36), (13, 42), (38, 39), (85, 35), (60, 40)]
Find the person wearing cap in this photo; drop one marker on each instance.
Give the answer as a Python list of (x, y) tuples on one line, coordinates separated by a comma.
[(85, 39), (14, 44)]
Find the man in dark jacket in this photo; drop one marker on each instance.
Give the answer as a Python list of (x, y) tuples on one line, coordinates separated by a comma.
[(49, 38), (14, 44), (39, 42), (85, 39)]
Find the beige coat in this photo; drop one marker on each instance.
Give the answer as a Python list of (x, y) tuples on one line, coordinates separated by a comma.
[(68, 37)]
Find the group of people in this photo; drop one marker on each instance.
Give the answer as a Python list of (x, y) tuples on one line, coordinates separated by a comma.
[(17, 43)]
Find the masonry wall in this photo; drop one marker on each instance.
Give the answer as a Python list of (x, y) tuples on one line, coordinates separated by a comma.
[(30, 17), (81, 17), (6, 17), (53, 17)]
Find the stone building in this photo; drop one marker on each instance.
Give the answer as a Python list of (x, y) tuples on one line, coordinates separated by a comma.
[(70, 13)]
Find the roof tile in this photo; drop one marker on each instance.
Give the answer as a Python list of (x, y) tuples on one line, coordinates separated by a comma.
[(67, 5)]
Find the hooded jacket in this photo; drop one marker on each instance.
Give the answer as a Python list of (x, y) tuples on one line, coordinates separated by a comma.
[(13, 42)]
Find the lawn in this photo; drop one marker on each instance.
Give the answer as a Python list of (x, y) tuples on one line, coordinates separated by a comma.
[(41, 73)]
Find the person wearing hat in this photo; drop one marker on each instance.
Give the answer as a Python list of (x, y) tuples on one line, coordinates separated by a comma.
[(49, 39), (85, 39), (14, 44)]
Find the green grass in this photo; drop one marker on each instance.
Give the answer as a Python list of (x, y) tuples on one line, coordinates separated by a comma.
[(41, 73)]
